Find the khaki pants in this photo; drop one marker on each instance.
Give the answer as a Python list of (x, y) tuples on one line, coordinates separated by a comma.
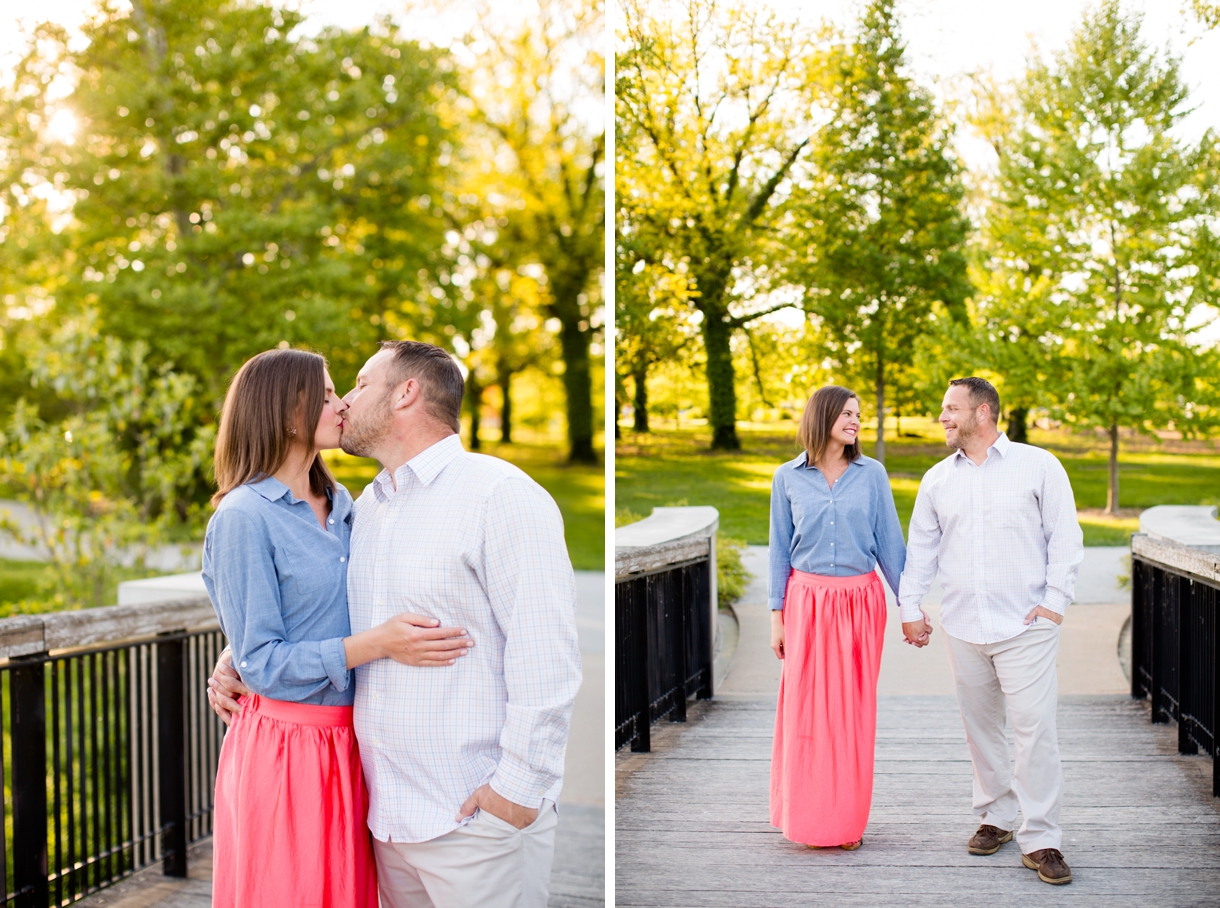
[(487, 863), (1015, 676)]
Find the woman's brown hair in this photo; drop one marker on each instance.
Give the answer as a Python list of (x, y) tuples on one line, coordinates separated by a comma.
[(274, 399), (821, 412)]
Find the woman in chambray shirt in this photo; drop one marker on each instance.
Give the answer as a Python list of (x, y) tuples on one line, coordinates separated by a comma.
[(290, 810), (832, 522)]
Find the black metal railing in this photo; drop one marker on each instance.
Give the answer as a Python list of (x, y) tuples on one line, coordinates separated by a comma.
[(663, 650), (109, 764), (1175, 651)]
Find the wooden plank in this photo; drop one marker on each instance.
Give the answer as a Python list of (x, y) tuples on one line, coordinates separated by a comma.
[(21, 635), (124, 622), (692, 818)]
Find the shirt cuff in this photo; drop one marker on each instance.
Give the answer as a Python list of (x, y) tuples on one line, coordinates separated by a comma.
[(776, 605), (1055, 602), (909, 611), (520, 785), (334, 659)]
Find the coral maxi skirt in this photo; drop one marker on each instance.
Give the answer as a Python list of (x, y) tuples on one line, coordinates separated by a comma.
[(291, 809), (826, 719)]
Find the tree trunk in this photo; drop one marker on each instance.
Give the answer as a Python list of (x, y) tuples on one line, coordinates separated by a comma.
[(1112, 491), (474, 394), (1018, 425), (721, 384), (579, 391), (505, 381), (880, 452), (639, 374)]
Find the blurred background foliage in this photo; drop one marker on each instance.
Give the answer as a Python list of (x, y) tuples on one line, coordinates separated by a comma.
[(186, 184)]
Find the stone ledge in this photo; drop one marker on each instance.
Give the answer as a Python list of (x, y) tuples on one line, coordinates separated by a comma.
[(1195, 562)]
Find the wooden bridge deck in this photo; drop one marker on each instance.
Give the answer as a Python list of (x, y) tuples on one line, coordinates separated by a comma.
[(1140, 825)]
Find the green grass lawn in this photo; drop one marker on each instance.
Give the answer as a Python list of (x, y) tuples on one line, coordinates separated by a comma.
[(19, 580), (675, 465), (579, 490)]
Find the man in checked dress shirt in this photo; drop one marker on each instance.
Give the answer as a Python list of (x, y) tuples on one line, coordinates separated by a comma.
[(464, 764), (998, 521)]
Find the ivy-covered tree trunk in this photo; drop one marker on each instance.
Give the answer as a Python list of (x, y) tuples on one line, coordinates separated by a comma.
[(578, 388), (639, 375), (721, 384), (505, 381), (474, 398), (1018, 425), (1112, 490), (880, 388)]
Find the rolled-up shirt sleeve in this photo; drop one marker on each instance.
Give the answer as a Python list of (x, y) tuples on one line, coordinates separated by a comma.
[(532, 591), (239, 570), (923, 548), (780, 542), (1064, 539)]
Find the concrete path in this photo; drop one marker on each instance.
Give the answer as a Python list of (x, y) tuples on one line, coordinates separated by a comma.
[(692, 820), (578, 878)]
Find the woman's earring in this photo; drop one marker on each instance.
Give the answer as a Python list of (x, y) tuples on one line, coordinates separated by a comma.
[(292, 431)]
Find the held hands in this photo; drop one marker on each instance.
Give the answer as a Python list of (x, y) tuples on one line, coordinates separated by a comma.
[(224, 687), (918, 633), (486, 798), (1041, 612)]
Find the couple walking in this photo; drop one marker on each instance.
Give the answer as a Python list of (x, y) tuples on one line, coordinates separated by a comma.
[(997, 521), (403, 667)]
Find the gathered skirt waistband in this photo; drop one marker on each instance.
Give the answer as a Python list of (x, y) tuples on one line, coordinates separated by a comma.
[(299, 713), (823, 581)]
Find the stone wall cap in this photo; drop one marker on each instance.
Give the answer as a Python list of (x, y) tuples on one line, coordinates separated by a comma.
[(667, 525), (1190, 525)]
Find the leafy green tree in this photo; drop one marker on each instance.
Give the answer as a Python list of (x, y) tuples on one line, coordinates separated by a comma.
[(113, 479), (1099, 236), (883, 234), (652, 325), (712, 140), (234, 184), (527, 95)]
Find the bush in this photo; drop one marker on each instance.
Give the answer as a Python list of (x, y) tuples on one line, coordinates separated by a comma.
[(109, 479), (731, 574)]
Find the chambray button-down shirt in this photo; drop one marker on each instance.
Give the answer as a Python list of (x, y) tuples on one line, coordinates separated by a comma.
[(473, 541), (1004, 536), (278, 582), (839, 532)]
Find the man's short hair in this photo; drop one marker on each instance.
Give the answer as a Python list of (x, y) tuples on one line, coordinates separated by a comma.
[(981, 392), (440, 379)]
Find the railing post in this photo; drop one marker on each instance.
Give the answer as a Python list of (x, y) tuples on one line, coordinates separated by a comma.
[(1186, 667), (685, 605), (171, 747), (1157, 636), (639, 661), (29, 745), (707, 630), (1137, 629)]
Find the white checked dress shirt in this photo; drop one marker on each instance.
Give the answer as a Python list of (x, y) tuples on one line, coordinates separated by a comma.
[(473, 541), (1003, 535)]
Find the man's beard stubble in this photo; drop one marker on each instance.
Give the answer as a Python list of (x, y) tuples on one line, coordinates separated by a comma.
[(359, 438), (965, 432)]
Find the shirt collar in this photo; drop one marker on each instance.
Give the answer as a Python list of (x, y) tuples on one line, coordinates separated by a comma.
[(1000, 446), (802, 462), (270, 488), (426, 466)]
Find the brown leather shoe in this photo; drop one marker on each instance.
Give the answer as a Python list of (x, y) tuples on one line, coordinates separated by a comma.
[(1049, 863), (988, 839)]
